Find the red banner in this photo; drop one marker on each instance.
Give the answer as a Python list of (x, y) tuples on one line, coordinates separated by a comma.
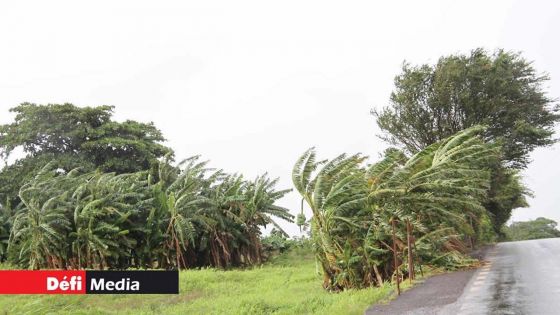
[(42, 282)]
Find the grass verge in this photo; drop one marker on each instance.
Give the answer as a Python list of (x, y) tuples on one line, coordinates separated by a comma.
[(287, 285)]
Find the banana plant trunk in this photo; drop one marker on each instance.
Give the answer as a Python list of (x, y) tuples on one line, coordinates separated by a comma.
[(378, 276), (409, 248), (419, 260), (395, 257)]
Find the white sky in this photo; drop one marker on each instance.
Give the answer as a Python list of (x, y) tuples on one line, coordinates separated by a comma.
[(251, 85)]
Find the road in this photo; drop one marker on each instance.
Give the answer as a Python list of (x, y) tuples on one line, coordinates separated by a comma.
[(520, 278), (517, 278)]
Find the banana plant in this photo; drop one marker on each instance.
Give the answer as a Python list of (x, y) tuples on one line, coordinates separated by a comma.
[(366, 216)]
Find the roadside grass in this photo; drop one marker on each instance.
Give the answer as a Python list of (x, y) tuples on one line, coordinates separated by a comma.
[(288, 284)]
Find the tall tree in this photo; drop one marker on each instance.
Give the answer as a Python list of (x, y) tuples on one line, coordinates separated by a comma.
[(502, 91), (74, 136)]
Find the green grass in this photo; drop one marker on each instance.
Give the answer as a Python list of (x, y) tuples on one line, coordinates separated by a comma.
[(287, 285)]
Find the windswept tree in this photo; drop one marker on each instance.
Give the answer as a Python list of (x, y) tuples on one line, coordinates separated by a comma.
[(106, 211), (364, 215), (336, 194), (181, 216), (502, 91), (41, 224), (77, 220)]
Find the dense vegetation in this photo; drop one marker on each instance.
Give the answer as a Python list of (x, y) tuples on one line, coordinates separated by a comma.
[(185, 216), (419, 207), (71, 137), (531, 230), (502, 91), (90, 192)]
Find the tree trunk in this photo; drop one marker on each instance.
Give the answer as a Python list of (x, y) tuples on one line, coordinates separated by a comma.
[(409, 248), (378, 276), (395, 257)]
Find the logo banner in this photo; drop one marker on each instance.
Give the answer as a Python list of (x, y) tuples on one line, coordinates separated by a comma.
[(88, 282)]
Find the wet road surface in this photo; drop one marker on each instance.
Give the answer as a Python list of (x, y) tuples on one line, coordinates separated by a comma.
[(519, 278), (428, 298)]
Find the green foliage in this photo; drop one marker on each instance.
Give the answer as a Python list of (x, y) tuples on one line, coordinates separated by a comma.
[(531, 230), (94, 193), (77, 220), (71, 137), (506, 193), (191, 216), (276, 243), (485, 230), (439, 191), (502, 91), (5, 227)]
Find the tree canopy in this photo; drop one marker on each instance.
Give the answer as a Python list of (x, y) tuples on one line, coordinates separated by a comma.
[(72, 136), (532, 230), (502, 91)]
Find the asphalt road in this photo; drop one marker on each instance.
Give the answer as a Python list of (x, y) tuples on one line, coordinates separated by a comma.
[(517, 278), (433, 296), (520, 278)]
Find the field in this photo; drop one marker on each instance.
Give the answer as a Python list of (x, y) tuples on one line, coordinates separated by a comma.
[(287, 285)]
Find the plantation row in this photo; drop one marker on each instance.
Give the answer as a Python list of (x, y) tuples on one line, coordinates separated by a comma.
[(426, 208), (175, 217)]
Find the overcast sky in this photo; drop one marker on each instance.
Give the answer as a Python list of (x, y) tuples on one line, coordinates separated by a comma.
[(251, 85)]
